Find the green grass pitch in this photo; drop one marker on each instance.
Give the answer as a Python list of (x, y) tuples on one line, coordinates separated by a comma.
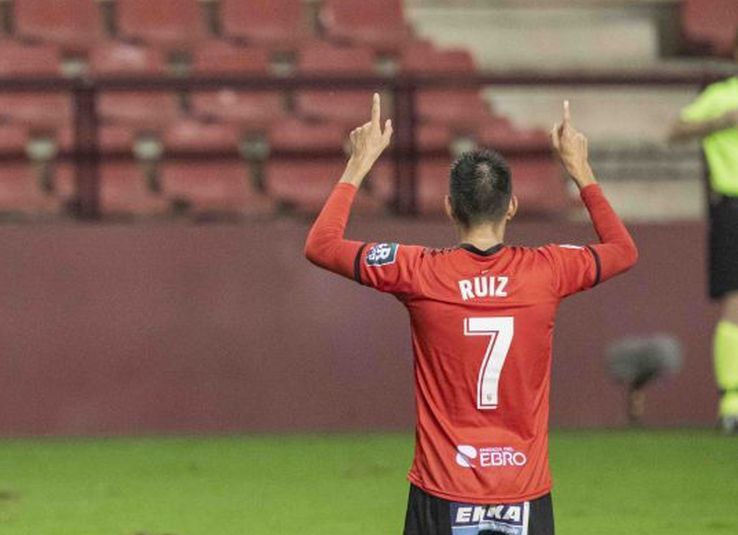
[(607, 482)]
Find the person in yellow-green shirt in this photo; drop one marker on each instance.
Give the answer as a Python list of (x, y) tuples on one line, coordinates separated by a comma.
[(713, 118)]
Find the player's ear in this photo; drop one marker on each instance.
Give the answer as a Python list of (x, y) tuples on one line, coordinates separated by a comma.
[(512, 208), (449, 208)]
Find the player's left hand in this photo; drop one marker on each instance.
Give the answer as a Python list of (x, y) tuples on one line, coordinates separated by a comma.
[(367, 144)]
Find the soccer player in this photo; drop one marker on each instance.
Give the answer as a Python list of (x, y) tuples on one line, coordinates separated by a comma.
[(482, 316), (713, 118)]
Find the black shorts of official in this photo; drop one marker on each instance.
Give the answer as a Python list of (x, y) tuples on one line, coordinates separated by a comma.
[(430, 515), (723, 243)]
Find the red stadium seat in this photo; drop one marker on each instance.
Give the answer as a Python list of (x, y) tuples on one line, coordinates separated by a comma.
[(45, 110), (172, 24), (295, 134), (500, 135), (254, 109), (13, 138), (307, 184), (126, 58), (72, 24), (223, 57), (711, 25), (124, 192), (214, 188), (196, 136), (459, 107), (538, 184), (277, 23), (20, 192), (433, 137), (143, 110), (348, 106), (18, 59), (379, 23)]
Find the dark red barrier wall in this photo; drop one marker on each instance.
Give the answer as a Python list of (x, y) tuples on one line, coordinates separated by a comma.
[(137, 329)]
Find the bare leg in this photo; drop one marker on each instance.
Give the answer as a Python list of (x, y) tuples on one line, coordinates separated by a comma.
[(726, 361), (730, 308)]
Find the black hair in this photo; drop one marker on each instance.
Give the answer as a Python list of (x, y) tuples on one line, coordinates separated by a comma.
[(480, 187)]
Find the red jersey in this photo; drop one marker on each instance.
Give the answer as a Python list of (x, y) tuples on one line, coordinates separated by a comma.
[(482, 330)]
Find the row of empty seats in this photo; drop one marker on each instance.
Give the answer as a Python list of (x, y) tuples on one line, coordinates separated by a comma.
[(229, 188), (145, 136), (79, 25)]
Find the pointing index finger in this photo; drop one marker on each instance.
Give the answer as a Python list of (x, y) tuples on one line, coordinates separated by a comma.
[(567, 113), (376, 111)]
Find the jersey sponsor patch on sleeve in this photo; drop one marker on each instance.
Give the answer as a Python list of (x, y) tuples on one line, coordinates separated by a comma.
[(382, 254)]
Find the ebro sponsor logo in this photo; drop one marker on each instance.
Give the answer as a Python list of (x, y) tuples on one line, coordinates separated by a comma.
[(490, 457)]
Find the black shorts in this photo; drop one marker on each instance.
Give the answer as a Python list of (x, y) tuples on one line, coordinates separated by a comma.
[(430, 515), (723, 246)]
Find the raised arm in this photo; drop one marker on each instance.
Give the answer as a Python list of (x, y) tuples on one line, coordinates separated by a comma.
[(684, 130), (325, 245), (616, 251)]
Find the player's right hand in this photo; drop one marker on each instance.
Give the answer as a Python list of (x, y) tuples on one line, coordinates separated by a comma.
[(368, 141), (571, 147)]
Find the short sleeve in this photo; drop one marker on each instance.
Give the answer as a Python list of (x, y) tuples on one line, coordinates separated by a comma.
[(387, 267), (710, 104), (575, 268)]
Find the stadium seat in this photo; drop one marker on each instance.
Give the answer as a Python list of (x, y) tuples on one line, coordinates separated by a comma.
[(43, 110), (458, 107), (379, 23), (499, 134), (305, 185), (433, 137), (13, 138), (124, 192), (255, 109), (20, 192), (145, 110), (294, 134), (209, 188), (346, 106), (710, 25), (277, 23), (224, 57), (252, 109), (190, 135), (172, 24), (538, 184), (75, 25), (125, 58)]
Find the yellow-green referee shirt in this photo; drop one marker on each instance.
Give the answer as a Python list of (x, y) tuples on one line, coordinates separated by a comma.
[(721, 148)]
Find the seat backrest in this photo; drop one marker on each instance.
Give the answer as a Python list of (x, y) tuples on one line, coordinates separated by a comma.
[(275, 13), (423, 56), (164, 21), (21, 59), (358, 13), (322, 57), (122, 58), (38, 18), (219, 56)]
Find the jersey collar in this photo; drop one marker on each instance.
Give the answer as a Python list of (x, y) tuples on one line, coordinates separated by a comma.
[(486, 252)]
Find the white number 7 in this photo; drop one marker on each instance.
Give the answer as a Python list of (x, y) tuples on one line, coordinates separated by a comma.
[(500, 331)]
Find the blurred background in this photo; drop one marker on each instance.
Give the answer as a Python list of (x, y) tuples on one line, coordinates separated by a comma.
[(161, 162)]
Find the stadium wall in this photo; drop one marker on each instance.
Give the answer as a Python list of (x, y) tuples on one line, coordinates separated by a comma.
[(218, 328)]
